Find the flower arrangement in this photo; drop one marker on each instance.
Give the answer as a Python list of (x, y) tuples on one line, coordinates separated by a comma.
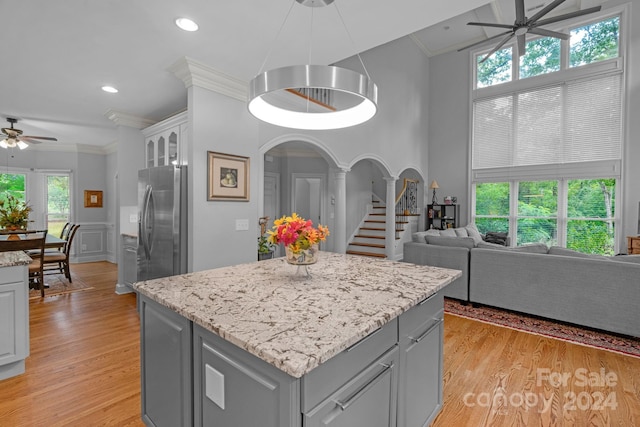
[(297, 233), (14, 213)]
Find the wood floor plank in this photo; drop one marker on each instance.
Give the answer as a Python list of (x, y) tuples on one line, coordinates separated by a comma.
[(84, 369)]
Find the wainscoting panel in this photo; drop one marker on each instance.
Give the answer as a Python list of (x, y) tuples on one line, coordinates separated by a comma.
[(90, 243)]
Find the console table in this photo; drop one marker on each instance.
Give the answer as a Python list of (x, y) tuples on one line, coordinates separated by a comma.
[(633, 245)]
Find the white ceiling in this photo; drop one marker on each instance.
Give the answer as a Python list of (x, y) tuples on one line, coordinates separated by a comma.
[(57, 54)]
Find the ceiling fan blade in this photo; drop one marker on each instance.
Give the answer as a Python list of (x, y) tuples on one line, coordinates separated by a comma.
[(546, 10), (489, 24), (520, 18), (522, 44), (567, 16), (485, 41), (548, 33), (45, 138), (497, 48)]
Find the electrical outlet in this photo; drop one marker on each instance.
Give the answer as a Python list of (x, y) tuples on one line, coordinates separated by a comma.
[(133, 218), (84, 247)]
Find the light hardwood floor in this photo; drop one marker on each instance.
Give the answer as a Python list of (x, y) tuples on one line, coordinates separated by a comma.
[(84, 370)]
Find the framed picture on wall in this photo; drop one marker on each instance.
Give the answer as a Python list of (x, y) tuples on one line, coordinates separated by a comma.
[(228, 177), (92, 198)]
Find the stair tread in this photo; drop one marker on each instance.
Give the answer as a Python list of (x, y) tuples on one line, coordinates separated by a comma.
[(369, 236), (377, 221), (366, 254), (369, 245)]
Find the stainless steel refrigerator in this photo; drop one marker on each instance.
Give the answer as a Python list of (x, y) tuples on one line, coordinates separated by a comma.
[(162, 222)]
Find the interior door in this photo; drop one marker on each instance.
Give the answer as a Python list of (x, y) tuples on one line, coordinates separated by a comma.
[(272, 200)]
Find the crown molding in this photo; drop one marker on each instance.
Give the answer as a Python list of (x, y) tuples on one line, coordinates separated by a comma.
[(124, 119), (195, 73)]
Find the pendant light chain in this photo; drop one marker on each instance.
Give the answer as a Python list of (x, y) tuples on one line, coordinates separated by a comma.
[(273, 45), (351, 38)]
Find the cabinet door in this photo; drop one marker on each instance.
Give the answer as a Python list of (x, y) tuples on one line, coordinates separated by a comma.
[(14, 331), (130, 265), (420, 384), (235, 388), (166, 366), (369, 399), (151, 153)]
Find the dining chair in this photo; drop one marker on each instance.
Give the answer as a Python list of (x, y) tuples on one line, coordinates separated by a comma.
[(34, 240), (57, 262)]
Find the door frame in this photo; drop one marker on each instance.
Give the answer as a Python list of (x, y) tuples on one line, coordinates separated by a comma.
[(323, 193)]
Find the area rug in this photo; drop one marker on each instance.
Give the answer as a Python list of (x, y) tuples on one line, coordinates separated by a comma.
[(59, 285), (575, 334)]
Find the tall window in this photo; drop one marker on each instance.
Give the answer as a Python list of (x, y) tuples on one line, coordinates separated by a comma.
[(58, 203), (547, 138)]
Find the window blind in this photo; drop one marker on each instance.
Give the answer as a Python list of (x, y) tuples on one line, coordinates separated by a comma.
[(575, 121)]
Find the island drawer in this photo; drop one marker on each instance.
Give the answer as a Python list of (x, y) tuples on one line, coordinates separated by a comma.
[(427, 312), (318, 384)]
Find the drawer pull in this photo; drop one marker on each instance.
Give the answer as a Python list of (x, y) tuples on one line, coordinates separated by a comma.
[(343, 405), (363, 340), (427, 332), (424, 301)]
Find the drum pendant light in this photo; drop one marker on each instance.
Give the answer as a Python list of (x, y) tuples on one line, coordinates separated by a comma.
[(313, 97)]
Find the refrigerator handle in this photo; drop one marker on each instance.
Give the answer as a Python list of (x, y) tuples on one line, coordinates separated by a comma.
[(144, 220), (152, 219)]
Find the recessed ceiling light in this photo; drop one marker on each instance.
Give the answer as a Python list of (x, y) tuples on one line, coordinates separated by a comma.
[(109, 89), (186, 24)]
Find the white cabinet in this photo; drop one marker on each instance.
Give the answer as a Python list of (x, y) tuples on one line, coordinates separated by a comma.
[(14, 320), (130, 259), (164, 141)]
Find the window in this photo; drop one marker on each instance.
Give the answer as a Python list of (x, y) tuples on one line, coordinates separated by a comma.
[(588, 44), (547, 139), (13, 184), (58, 203)]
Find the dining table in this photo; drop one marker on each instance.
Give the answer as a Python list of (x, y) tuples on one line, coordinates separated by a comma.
[(51, 242)]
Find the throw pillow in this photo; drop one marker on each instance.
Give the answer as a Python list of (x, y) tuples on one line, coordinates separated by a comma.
[(473, 232), (448, 233), (432, 232), (533, 248), (418, 236), (462, 242), (461, 232)]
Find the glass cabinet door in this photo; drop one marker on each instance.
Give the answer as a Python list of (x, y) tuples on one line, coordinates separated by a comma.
[(150, 153), (161, 151), (173, 149)]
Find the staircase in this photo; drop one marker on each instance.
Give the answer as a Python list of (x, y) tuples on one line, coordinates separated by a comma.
[(370, 238)]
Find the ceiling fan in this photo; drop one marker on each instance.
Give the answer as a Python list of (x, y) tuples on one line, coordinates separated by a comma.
[(14, 137), (524, 25)]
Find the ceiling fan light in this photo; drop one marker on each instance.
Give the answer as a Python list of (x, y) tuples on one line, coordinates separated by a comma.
[(4, 144), (22, 145)]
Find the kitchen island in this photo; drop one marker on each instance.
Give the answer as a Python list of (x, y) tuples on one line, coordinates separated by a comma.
[(357, 343), (14, 313)]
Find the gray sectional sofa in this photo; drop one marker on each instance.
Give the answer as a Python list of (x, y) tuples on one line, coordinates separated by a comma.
[(557, 283)]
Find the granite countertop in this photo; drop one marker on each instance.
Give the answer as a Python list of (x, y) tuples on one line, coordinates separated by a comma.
[(10, 259), (293, 323)]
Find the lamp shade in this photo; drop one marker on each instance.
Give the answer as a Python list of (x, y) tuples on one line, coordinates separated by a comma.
[(434, 185)]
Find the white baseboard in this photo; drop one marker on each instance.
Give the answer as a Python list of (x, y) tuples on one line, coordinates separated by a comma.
[(122, 289)]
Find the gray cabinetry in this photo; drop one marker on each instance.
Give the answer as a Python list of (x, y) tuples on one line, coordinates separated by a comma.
[(392, 377), (235, 388), (130, 259), (420, 385), (368, 399), (166, 366), (14, 320)]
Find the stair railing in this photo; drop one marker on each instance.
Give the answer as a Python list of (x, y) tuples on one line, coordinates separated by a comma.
[(407, 200)]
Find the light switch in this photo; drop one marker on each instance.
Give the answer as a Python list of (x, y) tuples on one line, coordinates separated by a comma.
[(242, 224), (214, 385)]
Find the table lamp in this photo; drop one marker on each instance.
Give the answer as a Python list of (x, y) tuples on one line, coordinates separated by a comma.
[(434, 185)]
